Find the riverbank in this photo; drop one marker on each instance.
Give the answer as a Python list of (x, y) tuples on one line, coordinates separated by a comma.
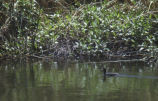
[(90, 31)]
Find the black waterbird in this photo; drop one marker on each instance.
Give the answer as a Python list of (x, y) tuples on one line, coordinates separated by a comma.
[(105, 73)]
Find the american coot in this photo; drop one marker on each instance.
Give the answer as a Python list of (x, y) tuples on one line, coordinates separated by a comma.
[(109, 74)]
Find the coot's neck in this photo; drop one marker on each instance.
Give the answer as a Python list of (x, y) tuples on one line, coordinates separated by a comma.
[(104, 70)]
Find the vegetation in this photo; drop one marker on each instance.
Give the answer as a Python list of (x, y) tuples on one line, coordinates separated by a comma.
[(100, 30)]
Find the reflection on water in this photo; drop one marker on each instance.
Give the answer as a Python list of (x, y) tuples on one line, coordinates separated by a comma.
[(52, 81)]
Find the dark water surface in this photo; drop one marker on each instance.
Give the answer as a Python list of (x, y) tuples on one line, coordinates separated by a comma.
[(65, 81)]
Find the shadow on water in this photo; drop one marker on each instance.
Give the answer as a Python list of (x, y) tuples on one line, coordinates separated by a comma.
[(137, 76), (45, 80)]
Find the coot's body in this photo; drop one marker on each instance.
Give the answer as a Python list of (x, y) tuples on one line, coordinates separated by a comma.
[(109, 74)]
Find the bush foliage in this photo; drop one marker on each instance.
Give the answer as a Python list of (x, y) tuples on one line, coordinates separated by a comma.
[(89, 30)]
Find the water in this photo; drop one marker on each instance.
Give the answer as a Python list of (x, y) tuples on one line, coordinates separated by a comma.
[(64, 81)]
